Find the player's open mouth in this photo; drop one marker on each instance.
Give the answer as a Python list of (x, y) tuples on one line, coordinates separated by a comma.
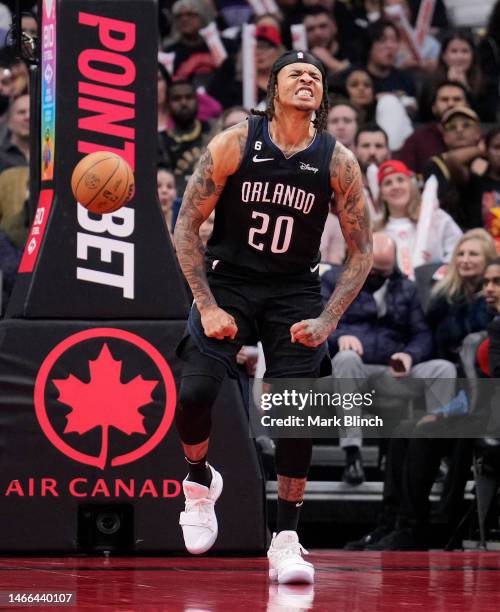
[(304, 91)]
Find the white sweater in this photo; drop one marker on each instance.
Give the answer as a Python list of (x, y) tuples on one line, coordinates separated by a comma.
[(443, 236)]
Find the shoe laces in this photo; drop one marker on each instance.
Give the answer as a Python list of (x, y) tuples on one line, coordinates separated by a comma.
[(295, 549)]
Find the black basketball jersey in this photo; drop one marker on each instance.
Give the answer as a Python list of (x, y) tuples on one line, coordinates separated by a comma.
[(271, 213)]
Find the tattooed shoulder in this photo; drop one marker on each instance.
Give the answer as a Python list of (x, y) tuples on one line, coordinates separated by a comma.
[(229, 146), (344, 168)]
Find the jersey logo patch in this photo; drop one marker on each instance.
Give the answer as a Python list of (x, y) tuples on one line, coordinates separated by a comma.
[(257, 159), (304, 166)]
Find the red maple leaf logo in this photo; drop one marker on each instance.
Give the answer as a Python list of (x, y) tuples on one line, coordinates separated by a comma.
[(105, 401)]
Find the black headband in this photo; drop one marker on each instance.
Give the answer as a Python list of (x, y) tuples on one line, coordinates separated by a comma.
[(294, 57)]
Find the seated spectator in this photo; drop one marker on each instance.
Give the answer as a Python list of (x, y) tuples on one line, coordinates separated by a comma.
[(371, 146), (383, 44), (16, 148), (275, 20), (352, 20), (14, 194), (180, 146), (489, 54), (457, 307), (20, 77), (167, 193), (487, 447), (462, 137), (494, 327), (6, 87), (356, 85), (491, 293), (400, 201), (226, 83), (321, 31), (382, 329), (406, 59), (192, 59), (385, 109), (458, 61), (483, 190), (293, 10), (365, 12), (229, 118), (269, 46), (208, 107), (343, 121), (491, 286), (164, 82), (427, 140), (29, 24)]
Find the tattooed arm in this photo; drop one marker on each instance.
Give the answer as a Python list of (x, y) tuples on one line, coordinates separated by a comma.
[(347, 184), (221, 159), (354, 220)]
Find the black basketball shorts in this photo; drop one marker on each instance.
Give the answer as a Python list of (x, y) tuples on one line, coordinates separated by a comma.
[(265, 309)]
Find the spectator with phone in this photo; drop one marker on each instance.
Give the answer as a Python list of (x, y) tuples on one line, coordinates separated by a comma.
[(383, 334)]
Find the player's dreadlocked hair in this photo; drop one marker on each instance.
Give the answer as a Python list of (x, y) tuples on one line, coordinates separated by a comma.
[(321, 114)]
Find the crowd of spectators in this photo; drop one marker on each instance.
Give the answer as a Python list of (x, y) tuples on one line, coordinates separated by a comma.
[(406, 116), (14, 153)]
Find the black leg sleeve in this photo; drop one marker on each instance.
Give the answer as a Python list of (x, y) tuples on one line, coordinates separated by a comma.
[(201, 380)]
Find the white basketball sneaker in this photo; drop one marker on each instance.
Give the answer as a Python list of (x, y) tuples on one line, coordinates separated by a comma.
[(198, 521), (286, 564)]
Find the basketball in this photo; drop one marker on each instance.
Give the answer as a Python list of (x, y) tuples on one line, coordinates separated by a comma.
[(102, 182)]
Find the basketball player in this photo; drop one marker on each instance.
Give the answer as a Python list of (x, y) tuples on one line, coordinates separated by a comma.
[(270, 180)]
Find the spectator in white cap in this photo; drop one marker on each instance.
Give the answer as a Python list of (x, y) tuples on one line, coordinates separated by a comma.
[(192, 59)]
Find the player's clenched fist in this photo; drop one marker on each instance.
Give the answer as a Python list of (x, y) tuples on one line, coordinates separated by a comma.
[(310, 332), (217, 323)]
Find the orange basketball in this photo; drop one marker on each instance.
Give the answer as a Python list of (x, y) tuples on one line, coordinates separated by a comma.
[(102, 182)]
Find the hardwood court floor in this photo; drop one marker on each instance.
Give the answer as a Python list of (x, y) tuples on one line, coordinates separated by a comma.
[(345, 581)]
